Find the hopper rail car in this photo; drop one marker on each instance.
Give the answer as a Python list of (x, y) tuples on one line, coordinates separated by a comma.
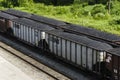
[(79, 50), (111, 39)]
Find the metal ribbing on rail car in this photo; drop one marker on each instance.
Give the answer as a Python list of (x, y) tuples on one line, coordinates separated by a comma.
[(81, 40), (113, 62), (29, 31), (79, 50), (33, 24)]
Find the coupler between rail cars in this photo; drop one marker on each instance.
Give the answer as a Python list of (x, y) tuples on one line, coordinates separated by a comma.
[(109, 69), (42, 44), (9, 31), (105, 73)]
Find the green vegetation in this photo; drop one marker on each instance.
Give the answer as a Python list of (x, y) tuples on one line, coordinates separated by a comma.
[(80, 12)]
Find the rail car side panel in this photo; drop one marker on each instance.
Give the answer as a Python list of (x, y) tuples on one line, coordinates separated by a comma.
[(89, 58), (36, 37), (5, 24), (68, 50), (47, 39), (79, 54), (75, 53), (63, 48), (26, 33), (55, 44), (113, 64), (83, 56), (59, 48), (21, 37), (30, 34)]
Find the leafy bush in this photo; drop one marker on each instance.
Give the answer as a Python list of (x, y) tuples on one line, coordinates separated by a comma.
[(84, 4), (115, 10), (62, 10), (56, 2), (64, 2), (9, 3), (14, 3), (99, 16), (86, 13), (25, 2), (98, 9), (94, 16), (78, 10), (118, 0), (115, 21), (44, 1)]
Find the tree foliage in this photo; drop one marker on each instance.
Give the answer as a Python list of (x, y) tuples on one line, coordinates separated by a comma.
[(92, 2), (98, 9), (56, 2), (25, 2), (13, 3)]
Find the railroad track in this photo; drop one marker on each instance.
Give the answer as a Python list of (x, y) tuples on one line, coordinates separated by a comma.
[(51, 73), (57, 70), (101, 44)]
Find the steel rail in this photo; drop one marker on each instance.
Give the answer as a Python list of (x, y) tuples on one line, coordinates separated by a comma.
[(29, 63)]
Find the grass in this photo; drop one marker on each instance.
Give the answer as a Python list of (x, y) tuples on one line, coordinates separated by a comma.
[(74, 14)]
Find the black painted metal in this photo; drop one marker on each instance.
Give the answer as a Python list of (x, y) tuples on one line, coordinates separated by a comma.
[(87, 57), (99, 64), (113, 64), (66, 49), (70, 51), (75, 53), (61, 46), (23, 34), (92, 57), (81, 55), (48, 40), (31, 35), (96, 62), (56, 48), (118, 68), (52, 44), (20, 33)]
